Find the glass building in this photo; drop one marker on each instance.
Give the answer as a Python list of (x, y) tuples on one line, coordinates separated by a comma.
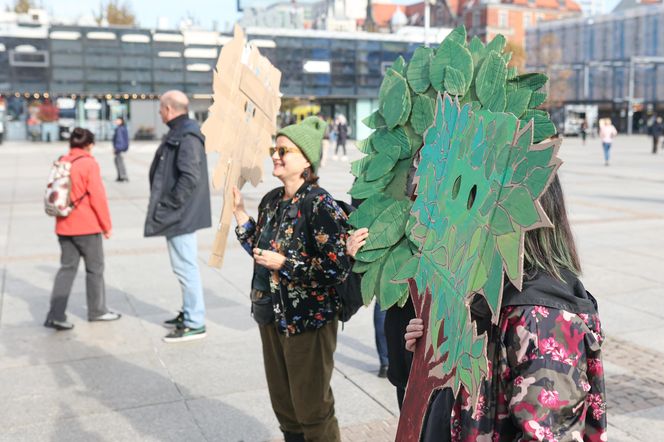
[(613, 61), (94, 74)]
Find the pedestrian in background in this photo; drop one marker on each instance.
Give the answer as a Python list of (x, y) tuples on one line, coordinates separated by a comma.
[(342, 137), (80, 235), (656, 132), (298, 245), (120, 146), (607, 132), (179, 206), (584, 131)]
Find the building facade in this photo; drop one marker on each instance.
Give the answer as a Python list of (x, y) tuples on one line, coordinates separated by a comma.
[(95, 74), (511, 18), (614, 61)]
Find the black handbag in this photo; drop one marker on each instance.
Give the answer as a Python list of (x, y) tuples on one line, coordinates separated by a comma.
[(262, 309)]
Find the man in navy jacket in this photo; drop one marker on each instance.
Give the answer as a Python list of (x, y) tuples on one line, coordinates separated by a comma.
[(120, 146)]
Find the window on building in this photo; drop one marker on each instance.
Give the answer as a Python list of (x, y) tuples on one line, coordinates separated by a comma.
[(527, 19), (503, 19)]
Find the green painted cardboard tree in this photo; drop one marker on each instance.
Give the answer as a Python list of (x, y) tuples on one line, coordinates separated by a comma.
[(475, 192)]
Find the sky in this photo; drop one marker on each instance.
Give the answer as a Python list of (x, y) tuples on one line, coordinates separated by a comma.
[(207, 13)]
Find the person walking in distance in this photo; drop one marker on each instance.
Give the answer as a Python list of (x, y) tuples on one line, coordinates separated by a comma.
[(179, 206), (80, 235), (656, 131), (342, 137), (607, 132), (120, 146)]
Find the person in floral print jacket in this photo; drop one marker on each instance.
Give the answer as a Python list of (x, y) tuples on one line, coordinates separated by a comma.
[(298, 245), (546, 380)]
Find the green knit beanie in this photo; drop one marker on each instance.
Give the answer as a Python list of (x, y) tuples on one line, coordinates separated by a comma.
[(308, 136)]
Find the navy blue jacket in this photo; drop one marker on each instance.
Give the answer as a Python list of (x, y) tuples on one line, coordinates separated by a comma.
[(121, 139)]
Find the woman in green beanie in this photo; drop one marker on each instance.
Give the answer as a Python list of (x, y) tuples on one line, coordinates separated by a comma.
[(298, 245)]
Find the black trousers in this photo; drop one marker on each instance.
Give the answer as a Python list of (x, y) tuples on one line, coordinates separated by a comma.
[(73, 248)]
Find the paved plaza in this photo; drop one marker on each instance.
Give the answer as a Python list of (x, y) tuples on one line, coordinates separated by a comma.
[(119, 382)]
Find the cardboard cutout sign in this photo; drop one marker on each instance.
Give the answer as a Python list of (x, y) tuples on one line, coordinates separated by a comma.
[(462, 125), (478, 185), (241, 123)]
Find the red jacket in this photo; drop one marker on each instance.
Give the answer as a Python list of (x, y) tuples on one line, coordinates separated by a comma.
[(91, 214)]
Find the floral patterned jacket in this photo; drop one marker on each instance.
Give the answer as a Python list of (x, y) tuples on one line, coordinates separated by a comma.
[(546, 378), (312, 234)]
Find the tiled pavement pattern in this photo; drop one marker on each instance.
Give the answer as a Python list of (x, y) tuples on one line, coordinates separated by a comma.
[(119, 382)]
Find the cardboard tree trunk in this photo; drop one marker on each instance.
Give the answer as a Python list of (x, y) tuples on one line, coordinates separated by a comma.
[(240, 125)]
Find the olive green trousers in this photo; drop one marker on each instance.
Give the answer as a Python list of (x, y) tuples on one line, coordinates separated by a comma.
[(298, 370)]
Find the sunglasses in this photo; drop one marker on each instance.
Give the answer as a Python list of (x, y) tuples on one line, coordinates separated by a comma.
[(282, 150)]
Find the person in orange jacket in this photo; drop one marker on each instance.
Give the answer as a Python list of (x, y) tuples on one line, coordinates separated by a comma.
[(80, 235)]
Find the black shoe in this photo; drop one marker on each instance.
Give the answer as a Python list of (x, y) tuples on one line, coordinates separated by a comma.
[(382, 373), (293, 437), (110, 316), (58, 325), (184, 334), (175, 322)]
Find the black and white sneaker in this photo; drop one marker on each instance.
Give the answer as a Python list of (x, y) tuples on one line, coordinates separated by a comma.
[(184, 334), (175, 322)]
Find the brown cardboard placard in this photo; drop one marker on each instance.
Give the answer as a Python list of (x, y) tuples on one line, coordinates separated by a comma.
[(240, 125)]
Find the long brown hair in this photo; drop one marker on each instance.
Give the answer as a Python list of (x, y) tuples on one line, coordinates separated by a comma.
[(552, 249)]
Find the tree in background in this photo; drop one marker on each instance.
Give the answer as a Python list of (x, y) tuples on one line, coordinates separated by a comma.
[(116, 13), (549, 55), (518, 56), (22, 6)]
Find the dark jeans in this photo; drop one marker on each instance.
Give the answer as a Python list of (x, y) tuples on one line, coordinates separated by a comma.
[(396, 320), (381, 340), (340, 144), (120, 166), (655, 143), (73, 248), (298, 370)]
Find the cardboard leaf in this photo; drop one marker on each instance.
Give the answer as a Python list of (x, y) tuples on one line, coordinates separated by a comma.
[(519, 204), (381, 164), (517, 101), (365, 146), (399, 65), (363, 189), (394, 141), (458, 35), (369, 210), (394, 99), (544, 127), (418, 69), (490, 83), (537, 99), (422, 116), (371, 256), (375, 121), (398, 188), (454, 55), (497, 44), (369, 285), (454, 81), (532, 81), (391, 292), (388, 227)]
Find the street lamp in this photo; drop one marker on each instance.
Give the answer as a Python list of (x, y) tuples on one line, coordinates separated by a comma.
[(427, 20)]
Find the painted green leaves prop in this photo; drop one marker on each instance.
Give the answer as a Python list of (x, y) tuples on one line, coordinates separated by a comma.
[(477, 75), (394, 99), (478, 184)]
